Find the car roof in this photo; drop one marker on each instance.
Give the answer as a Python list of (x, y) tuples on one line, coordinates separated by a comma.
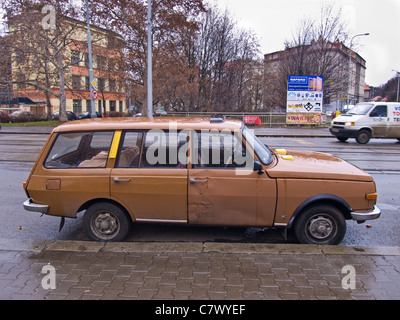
[(163, 123)]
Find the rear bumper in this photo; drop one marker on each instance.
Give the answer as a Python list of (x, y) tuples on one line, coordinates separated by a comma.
[(365, 216), (33, 207)]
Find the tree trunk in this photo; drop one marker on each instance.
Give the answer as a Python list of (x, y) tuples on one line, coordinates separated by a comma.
[(63, 99)]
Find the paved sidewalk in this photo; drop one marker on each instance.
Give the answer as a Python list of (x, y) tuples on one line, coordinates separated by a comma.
[(196, 270)]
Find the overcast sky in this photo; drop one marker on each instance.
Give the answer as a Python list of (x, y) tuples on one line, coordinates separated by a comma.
[(274, 21)]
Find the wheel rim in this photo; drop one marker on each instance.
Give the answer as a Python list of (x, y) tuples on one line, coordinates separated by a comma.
[(321, 227), (363, 137), (105, 225)]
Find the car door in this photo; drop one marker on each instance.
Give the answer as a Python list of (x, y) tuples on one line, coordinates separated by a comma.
[(379, 117), (148, 180), (222, 191)]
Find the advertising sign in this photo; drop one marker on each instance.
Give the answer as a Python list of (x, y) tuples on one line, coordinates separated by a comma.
[(304, 98)]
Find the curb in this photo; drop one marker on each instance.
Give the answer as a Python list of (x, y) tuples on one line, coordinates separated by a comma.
[(31, 245)]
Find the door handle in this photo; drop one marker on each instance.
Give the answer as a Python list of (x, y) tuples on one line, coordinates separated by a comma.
[(121, 180), (198, 181)]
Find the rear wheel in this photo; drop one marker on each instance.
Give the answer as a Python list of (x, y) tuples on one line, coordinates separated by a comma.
[(106, 222), (321, 224)]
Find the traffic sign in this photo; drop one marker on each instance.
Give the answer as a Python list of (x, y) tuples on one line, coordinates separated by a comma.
[(94, 94)]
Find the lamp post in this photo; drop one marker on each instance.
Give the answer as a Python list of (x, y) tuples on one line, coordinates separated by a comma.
[(398, 83), (149, 62), (350, 55), (91, 77)]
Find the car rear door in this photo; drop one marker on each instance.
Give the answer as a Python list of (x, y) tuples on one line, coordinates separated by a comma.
[(148, 179)]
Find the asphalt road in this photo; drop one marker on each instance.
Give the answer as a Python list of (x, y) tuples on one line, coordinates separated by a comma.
[(381, 158)]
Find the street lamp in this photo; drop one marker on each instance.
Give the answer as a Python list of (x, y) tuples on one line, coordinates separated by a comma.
[(149, 61), (91, 77), (398, 83), (350, 54)]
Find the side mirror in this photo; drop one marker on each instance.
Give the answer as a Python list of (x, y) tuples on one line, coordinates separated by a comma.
[(258, 167)]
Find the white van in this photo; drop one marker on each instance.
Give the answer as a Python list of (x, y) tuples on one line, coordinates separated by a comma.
[(368, 120)]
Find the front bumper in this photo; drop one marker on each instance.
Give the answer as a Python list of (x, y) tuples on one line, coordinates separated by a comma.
[(365, 216), (33, 207), (342, 132)]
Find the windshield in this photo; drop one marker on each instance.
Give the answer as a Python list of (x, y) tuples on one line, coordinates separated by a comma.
[(261, 150), (360, 109)]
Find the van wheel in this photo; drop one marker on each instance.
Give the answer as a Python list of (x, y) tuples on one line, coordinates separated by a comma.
[(322, 225), (363, 137), (106, 222), (342, 139)]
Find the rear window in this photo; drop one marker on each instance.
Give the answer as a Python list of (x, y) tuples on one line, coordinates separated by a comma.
[(80, 150)]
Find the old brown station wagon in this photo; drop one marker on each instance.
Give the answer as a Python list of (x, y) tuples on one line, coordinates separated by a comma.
[(196, 171)]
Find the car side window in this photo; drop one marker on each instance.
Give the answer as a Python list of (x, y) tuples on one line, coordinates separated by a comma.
[(219, 149), (130, 152), (164, 149), (79, 150), (379, 112)]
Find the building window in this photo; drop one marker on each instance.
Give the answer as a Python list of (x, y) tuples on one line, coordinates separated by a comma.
[(87, 83), (87, 60), (121, 106), (76, 82), (101, 62), (113, 105), (111, 85), (77, 105), (88, 105), (101, 84), (75, 58)]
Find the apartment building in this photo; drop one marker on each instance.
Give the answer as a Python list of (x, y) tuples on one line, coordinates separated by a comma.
[(41, 84), (327, 59)]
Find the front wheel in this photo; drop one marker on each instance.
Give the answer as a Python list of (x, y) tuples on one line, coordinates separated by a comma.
[(322, 225), (106, 222), (342, 139), (363, 137)]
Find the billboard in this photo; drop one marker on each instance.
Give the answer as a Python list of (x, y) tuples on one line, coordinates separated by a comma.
[(304, 97)]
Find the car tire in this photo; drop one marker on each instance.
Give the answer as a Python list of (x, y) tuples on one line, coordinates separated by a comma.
[(342, 139), (105, 222), (321, 225), (363, 137)]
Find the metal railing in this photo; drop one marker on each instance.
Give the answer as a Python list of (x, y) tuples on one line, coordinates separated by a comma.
[(268, 119)]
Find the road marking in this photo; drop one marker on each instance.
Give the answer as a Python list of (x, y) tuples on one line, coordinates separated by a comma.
[(305, 143)]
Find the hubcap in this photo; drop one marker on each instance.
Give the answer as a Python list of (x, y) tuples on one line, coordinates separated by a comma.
[(105, 225), (320, 227)]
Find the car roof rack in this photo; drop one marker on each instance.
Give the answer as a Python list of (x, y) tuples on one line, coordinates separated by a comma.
[(217, 119)]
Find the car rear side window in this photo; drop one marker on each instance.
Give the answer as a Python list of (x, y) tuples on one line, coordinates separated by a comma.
[(80, 150), (130, 152)]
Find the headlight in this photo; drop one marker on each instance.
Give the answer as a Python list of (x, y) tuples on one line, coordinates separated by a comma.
[(350, 124)]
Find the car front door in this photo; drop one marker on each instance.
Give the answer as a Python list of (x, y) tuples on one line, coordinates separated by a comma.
[(222, 189), (148, 178), (379, 117)]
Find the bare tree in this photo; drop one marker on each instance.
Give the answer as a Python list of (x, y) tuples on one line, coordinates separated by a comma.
[(226, 56), (316, 48), (43, 54)]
